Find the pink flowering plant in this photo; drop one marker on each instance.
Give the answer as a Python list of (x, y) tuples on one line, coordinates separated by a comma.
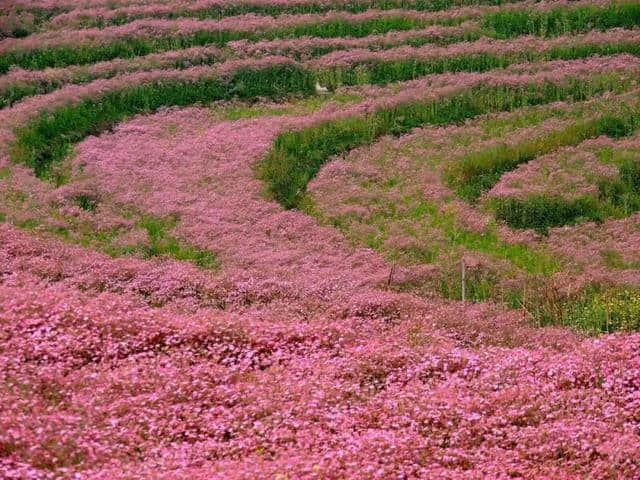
[(319, 239)]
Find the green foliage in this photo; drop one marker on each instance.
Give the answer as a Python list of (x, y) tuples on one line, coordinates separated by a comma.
[(161, 243), (383, 72), (541, 212), (87, 203), (15, 92), (32, 19), (48, 138), (500, 24), (379, 72), (564, 20), (613, 259), (65, 55), (617, 198), (232, 9), (226, 10)]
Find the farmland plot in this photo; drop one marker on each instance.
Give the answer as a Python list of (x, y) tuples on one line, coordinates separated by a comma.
[(319, 239)]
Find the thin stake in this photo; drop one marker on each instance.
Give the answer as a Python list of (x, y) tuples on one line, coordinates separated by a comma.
[(463, 271)]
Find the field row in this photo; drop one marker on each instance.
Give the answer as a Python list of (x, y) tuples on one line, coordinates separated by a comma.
[(152, 36), (43, 142)]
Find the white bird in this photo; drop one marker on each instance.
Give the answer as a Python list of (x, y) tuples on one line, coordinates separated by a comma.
[(320, 90)]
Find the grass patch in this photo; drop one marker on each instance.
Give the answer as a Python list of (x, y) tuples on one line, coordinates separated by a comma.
[(162, 244), (302, 106), (36, 18), (47, 139), (486, 242), (605, 312), (17, 91), (376, 72), (227, 10), (418, 41), (87, 203), (613, 259), (541, 212), (28, 20)]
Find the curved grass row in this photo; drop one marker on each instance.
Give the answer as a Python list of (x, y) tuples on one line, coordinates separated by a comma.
[(39, 83), (26, 21), (477, 172), (413, 38), (297, 156), (274, 10), (497, 24), (617, 198), (47, 139), (506, 23), (562, 21)]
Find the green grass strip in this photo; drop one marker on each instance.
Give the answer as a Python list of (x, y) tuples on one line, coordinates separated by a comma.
[(19, 90), (540, 212), (487, 241), (383, 72), (275, 10), (33, 18), (616, 309), (562, 21), (47, 139), (379, 72), (297, 156), (162, 244), (479, 171)]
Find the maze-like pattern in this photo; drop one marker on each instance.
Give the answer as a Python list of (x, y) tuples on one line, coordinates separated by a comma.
[(232, 237)]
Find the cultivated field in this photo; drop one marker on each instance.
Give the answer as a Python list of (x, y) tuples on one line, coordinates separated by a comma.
[(319, 239)]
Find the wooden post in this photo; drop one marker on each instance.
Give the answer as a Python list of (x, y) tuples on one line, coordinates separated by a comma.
[(463, 272), (390, 279)]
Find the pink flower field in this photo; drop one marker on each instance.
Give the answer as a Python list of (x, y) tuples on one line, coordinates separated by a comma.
[(320, 239)]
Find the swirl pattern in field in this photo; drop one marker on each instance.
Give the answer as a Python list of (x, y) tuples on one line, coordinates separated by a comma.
[(319, 239)]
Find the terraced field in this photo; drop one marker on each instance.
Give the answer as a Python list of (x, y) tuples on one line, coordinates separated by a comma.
[(319, 239)]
